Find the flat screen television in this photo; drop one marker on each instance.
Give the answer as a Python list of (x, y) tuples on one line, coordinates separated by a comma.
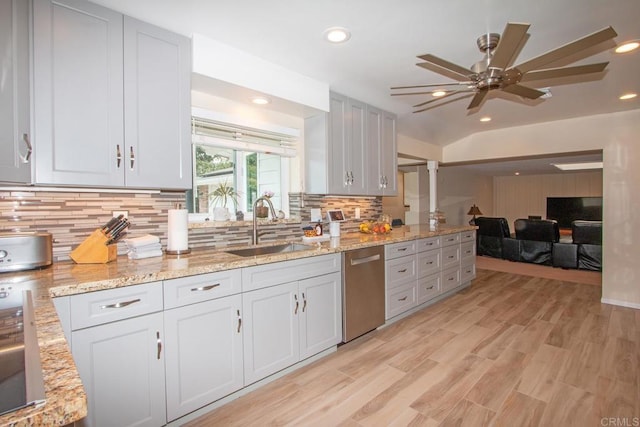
[(568, 209)]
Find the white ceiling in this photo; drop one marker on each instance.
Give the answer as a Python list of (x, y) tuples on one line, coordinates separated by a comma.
[(387, 36)]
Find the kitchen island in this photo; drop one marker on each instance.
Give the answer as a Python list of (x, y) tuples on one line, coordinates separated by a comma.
[(65, 397)]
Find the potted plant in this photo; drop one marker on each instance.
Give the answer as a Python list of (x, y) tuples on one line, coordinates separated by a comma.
[(221, 196)]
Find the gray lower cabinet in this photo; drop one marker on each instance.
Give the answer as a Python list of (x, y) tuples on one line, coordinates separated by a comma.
[(117, 344), (15, 102), (111, 99), (289, 322)]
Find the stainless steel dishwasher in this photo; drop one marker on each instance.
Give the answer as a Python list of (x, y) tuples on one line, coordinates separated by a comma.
[(363, 299)]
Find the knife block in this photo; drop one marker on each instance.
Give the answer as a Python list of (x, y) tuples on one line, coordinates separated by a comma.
[(94, 250)]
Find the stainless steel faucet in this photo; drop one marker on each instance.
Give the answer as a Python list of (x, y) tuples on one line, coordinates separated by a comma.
[(254, 236)]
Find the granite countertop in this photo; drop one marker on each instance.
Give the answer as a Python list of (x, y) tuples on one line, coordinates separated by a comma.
[(65, 397)]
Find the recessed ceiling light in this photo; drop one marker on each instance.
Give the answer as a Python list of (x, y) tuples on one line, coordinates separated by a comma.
[(337, 34), (577, 166), (627, 47), (517, 173), (628, 96), (485, 119), (438, 93), (260, 100)]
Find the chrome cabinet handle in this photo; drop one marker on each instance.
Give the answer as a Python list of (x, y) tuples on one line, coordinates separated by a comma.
[(27, 157), (429, 288), (159, 342), (304, 304), (239, 321), (402, 271), (403, 299), (132, 157), (402, 249), (365, 260), (430, 262), (120, 304), (450, 279), (118, 156), (451, 256), (346, 178), (205, 288), (295, 311)]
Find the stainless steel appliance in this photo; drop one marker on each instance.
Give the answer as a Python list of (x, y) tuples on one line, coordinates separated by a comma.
[(21, 381), (25, 250), (363, 300)]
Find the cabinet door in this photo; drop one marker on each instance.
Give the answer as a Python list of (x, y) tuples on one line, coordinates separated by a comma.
[(15, 131), (389, 154), (321, 313), (157, 106), (271, 330), (375, 182), (338, 160), (203, 354), (78, 93), (357, 147), (121, 365)]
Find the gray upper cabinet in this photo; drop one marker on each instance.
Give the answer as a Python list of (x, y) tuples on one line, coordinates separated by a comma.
[(15, 133), (350, 150), (112, 99)]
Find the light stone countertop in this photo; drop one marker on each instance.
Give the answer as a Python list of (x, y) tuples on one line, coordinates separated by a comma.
[(65, 397)]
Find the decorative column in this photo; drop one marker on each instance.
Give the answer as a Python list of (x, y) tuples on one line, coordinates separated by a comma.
[(432, 166)]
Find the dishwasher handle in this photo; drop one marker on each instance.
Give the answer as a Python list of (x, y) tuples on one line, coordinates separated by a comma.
[(365, 260)]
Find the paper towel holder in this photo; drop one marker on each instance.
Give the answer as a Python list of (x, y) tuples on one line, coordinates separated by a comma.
[(177, 251)]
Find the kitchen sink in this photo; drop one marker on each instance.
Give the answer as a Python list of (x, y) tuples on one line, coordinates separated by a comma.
[(267, 250)]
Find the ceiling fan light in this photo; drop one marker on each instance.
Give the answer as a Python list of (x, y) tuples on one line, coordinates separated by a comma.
[(438, 93), (337, 34), (628, 96), (627, 47), (485, 119)]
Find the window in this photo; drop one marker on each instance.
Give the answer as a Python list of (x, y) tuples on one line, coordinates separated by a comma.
[(234, 166)]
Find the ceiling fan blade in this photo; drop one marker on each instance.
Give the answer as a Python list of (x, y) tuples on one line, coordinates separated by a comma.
[(568, 49), (458, 70), (553, 73), (524, 91), (477, 99), (455, 92), (441, 104), (431, 85), (511, 39)]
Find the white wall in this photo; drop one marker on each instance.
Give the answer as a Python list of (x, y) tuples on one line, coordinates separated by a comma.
[(618, 135), (458, 190)]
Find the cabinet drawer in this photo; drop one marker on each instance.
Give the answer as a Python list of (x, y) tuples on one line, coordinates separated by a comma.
[(400, 300), (399, 271), (468, 236), (396, 250), (262, 276), (467, 250), (428, 262), (450, 279), (429, 287), (450, 256), (95, 308), (450, 239), (467, 273), (428, 244), (203, 287)]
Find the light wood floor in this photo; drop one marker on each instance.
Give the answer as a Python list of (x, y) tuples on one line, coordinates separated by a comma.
[(511, 350)]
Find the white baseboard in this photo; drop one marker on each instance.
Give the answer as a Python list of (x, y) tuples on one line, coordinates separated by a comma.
[(620, 303)]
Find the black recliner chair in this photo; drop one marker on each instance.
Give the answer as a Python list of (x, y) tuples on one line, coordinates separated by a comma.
[(587, 235), (490, 234), (535, 239)]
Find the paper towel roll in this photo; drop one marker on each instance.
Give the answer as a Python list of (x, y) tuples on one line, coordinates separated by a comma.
[(178, 230)]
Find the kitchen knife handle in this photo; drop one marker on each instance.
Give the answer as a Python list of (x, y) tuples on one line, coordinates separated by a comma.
[(132, 157), (27, 157), (118, 156)]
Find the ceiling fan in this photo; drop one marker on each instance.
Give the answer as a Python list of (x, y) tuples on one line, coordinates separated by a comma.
[(495, 70)]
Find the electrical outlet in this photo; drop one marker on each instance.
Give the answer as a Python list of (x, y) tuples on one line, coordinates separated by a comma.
[(357, 213), (118, 213)]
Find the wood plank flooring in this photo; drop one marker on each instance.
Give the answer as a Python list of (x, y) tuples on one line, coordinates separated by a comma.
[(511, 350)]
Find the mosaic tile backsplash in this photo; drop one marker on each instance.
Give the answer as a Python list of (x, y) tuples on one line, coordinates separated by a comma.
[(71, 216)]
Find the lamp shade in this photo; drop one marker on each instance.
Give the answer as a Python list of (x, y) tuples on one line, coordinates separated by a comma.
[(474, 210)]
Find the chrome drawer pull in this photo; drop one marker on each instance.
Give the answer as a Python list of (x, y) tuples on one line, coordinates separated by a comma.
[(402, 271), (205, 288), (402, 249), (120, 304), (450, 278), (403, 299), (430, 262), (159, 342), (430, 287), (451, 256), (365, 259)]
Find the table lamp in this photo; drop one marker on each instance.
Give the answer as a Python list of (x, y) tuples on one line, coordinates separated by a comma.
[(474, 210)]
